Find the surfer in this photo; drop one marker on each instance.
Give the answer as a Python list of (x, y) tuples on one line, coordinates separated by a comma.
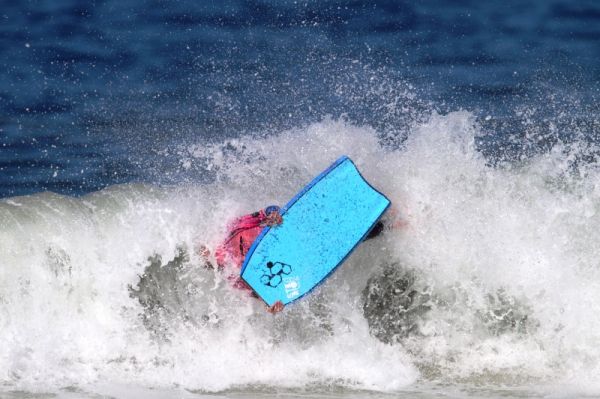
[(245, 229), (242, 233)]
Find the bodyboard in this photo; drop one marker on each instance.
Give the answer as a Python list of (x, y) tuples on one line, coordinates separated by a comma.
[(321, 226)]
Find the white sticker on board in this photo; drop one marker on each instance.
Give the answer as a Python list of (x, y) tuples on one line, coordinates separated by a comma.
[(291, 286)]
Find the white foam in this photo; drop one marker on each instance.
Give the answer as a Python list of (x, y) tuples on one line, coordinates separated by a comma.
[(67, 318)]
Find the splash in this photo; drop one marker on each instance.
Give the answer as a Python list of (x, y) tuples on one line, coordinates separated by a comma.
[(493, 278)]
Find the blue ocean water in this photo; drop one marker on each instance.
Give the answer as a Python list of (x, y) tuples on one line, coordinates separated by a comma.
[(98, 93)]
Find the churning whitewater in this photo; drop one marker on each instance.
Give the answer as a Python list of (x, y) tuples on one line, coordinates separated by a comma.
[(495, 276)]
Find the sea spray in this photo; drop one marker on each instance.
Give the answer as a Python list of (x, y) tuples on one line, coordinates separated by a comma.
[(502, 266)]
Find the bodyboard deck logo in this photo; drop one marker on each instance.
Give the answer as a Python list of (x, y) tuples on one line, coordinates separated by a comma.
[(273, 273)]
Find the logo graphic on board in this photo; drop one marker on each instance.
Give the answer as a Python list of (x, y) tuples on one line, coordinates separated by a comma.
[(292, 287), (273, 274)]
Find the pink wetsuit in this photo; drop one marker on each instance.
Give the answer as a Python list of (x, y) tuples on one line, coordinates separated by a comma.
[(242, 233)]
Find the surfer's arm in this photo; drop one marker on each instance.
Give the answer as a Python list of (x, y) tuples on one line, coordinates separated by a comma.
[(257, 219)]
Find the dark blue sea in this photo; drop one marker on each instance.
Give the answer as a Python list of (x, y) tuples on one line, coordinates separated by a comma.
[(96, 93), (132, 131)]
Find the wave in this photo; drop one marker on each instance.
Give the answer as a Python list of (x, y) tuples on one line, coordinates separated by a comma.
[(493, 278)]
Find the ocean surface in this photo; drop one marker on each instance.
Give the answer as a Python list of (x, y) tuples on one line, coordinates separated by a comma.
[(131, 132)]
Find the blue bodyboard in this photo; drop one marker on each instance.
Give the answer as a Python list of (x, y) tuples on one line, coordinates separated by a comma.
[(321, 226)]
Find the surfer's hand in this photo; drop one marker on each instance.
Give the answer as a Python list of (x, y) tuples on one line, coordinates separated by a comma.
[(274, 219), (276, 308)]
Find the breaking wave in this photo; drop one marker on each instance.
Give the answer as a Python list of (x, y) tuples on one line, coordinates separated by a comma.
[(494, 276)]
